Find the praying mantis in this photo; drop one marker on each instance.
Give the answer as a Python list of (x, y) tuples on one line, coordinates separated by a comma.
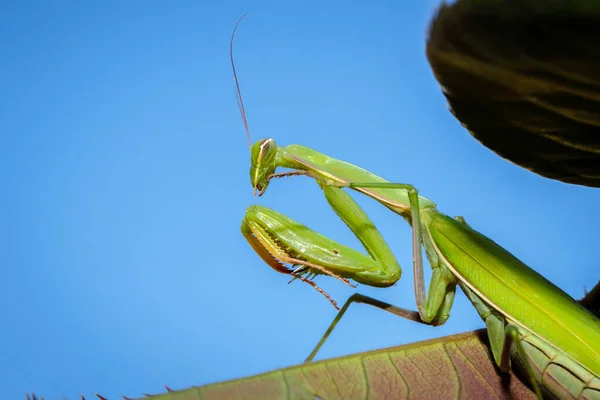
[(529, 320)]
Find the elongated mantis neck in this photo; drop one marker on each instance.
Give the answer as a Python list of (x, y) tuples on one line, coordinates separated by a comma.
[(267, 157)]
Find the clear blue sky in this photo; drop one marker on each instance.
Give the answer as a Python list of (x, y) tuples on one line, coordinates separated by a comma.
[(124, 171)]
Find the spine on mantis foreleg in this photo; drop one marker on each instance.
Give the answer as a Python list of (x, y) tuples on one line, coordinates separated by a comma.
[(282, 241)]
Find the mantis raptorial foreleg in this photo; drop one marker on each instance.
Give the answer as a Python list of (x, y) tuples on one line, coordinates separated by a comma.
[(280, 240)]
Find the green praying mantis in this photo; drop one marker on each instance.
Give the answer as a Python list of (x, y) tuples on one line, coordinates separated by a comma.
[(529, 320)]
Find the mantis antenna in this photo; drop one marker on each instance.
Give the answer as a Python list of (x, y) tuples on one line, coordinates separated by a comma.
[(297, 273), (238, 93)]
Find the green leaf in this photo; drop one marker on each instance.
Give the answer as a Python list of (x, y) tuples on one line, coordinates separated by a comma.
[(456, 367)]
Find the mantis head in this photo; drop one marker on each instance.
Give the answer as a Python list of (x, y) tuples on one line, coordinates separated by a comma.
[(263, 156)]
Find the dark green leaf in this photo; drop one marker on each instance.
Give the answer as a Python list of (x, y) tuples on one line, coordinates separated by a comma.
[(524, 78)]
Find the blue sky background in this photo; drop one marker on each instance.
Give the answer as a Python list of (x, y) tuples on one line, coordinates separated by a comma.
[(124, 170)]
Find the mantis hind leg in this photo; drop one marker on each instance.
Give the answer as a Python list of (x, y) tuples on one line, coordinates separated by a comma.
[(502, 336), (442, 298), (512, 336), (359, 298)]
